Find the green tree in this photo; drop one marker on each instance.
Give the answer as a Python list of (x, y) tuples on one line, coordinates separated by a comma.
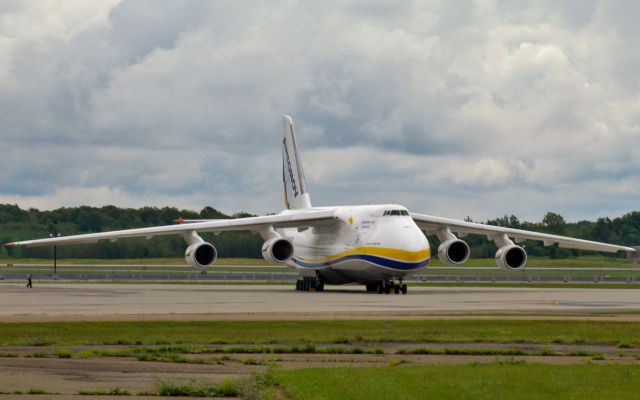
[(554, 223)]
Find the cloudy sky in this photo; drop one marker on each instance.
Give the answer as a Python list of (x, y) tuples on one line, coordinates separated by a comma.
[(453, 108)]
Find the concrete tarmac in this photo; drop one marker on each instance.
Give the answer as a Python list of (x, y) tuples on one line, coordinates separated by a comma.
[(70, 301)]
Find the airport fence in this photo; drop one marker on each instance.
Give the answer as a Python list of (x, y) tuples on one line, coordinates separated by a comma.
[(271, 274)]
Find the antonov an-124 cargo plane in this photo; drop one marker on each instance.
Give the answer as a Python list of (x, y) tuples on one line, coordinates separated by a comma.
[(374, 245)]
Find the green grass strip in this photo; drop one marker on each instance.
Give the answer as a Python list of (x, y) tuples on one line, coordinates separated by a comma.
[(228, 388), (314, 332), (493, 381), (103, 392)]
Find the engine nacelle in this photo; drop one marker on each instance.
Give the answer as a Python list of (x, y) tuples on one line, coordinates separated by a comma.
[(277, 250), (201, 255), (511, 257), (453, 251)]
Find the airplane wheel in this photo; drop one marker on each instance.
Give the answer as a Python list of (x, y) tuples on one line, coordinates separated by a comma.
[(396, 288), (404, 288), (380, 288), (298, 284), (387, 288), (371, 287)]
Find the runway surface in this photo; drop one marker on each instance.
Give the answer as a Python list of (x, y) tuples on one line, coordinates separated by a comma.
[(100, 300)]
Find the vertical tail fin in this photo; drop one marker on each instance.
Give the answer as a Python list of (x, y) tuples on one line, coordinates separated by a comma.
[(295, 188)]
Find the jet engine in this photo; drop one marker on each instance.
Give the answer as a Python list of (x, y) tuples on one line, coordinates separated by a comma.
[(277, 250), (201, 255), (453, 251), (511, 257)]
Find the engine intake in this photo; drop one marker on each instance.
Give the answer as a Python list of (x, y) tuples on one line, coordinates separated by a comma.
[(201, 255), (453, 251), (277, 250), (511, 257)]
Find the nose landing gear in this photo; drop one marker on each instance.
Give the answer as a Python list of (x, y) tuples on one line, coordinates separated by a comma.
[(387, 286)]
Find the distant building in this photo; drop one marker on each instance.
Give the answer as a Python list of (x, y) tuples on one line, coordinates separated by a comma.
[(634, 258)]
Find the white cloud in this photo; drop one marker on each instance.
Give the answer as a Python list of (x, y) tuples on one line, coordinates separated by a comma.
[(48, 21), (482, 109), (73, 196)]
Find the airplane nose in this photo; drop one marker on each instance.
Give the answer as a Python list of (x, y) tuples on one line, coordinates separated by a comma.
[(403, 236), (417, 241)]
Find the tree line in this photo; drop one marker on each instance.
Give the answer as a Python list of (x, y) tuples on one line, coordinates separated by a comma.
[(19, 224), (623, 230)]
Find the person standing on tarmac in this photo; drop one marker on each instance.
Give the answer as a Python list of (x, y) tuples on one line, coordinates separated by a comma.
[(29, 285)]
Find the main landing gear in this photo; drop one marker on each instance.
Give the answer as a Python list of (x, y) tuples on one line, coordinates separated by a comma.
[(308, 284), (387, 286)]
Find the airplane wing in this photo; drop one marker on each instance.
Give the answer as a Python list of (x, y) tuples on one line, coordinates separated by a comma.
[(190, 221), (433, 224), (288, 220)]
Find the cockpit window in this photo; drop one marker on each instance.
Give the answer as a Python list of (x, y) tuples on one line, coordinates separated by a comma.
[(395, 212)]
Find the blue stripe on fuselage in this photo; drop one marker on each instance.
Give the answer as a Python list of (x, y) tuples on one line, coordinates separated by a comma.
[(384, 262)]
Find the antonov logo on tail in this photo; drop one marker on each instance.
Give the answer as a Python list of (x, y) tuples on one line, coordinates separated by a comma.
[(325, 244), (294, 187)]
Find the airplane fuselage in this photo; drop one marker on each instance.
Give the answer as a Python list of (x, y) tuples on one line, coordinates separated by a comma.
[(366, 244)]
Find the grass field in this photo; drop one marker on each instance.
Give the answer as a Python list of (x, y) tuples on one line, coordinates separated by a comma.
[(354, 331), (495, 359), (471, 381)]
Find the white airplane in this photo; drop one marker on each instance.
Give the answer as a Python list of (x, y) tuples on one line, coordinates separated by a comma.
[(375, 245)]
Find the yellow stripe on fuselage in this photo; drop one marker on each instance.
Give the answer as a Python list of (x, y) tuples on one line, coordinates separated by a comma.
[(395, 254)]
